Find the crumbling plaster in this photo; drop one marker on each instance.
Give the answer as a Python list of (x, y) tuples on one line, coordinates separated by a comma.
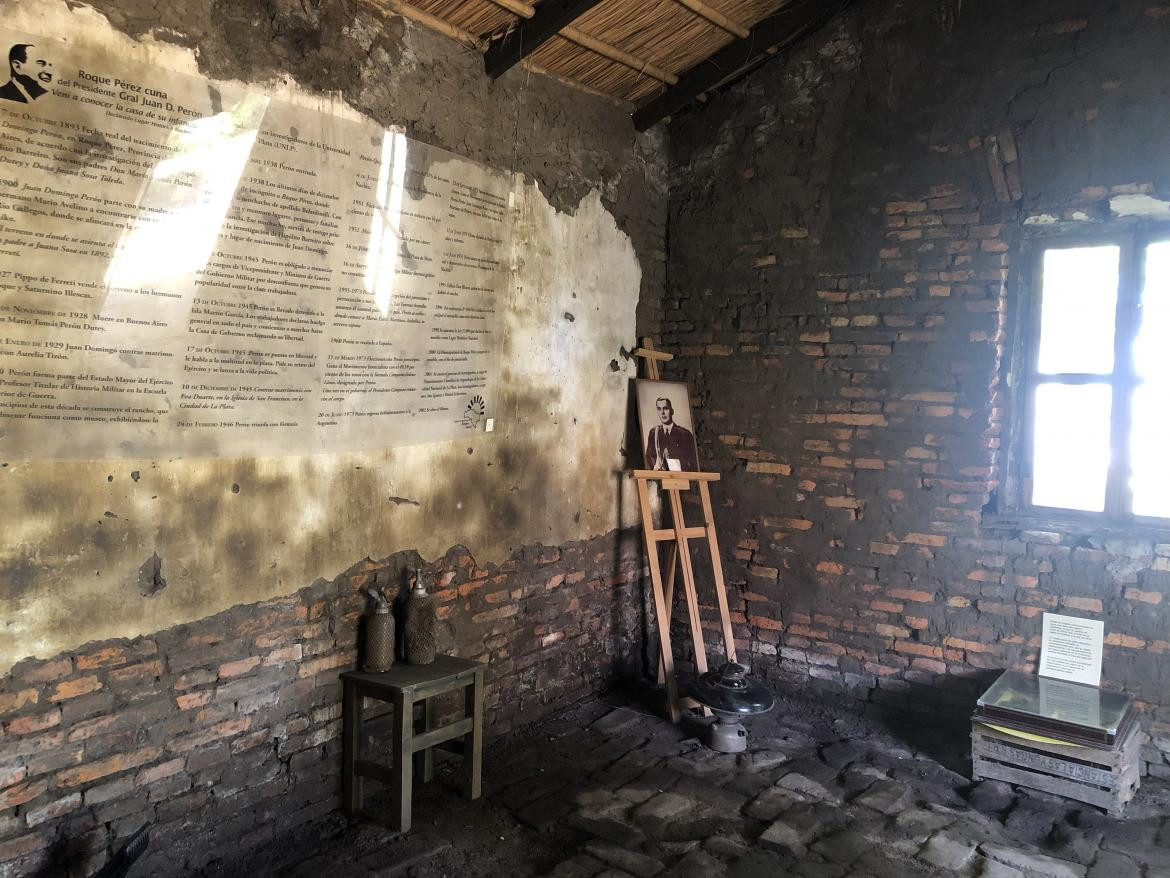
[(82, 542)]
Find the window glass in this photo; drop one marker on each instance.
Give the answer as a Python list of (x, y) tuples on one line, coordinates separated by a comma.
[(1152, 349), (1149, 442), (1078, 307), (1070, 453)]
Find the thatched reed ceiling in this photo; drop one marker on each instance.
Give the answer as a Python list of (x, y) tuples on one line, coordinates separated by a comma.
[(632, 50)]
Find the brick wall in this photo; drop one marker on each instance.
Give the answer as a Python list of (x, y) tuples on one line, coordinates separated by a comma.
[(226, 731), (845, 245)]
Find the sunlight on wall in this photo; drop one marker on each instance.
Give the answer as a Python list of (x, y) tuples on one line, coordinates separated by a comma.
[(182, 208), (385, 224)]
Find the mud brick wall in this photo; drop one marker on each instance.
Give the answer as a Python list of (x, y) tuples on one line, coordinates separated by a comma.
[(846, 227), (226, 732)]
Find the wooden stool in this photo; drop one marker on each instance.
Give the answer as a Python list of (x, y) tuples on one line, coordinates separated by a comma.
[(405, 686)]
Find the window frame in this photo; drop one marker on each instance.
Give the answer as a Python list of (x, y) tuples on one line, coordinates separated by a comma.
[(1014, 506)]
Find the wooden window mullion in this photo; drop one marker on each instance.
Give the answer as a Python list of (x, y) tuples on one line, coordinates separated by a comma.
[(1031, 379), (1118, 503)]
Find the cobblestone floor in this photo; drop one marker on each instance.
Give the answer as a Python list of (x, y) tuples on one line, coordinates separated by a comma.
[(608, 790)]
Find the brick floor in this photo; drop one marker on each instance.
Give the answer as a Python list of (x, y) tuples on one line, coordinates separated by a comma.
[(611, 790)]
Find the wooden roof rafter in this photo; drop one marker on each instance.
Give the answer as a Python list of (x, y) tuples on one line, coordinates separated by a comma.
[(527, 11), (506, 51), (716, 17)]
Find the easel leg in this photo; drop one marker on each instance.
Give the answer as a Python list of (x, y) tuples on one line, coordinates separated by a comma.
[(671, 568), (717, 565), (688, 577), (661, 611)]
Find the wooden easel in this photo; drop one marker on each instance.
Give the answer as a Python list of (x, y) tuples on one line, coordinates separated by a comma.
[(678, 556)]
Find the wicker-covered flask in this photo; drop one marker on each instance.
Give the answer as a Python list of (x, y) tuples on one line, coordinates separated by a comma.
[(419, 630), (379, 634)]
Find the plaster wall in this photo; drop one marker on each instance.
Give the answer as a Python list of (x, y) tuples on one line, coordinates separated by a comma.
[(121, 548)]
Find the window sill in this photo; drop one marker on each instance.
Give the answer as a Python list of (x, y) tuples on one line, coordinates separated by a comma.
[(1078, 527)]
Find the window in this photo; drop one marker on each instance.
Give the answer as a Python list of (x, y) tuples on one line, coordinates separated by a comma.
[(1098, 383)]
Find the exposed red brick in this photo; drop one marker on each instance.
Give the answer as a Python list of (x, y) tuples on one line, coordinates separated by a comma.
[(780, 469), (72, 777), (969, 645), (910, 594), (25, 725), (73, 688), (1089, 605), (49, 671), (22, 793), (10, 701), (193, 699), (111, 655), (1124, 640), (910, 647)]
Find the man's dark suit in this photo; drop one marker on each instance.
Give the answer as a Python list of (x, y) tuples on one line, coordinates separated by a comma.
[(678, 443), (10, 92)]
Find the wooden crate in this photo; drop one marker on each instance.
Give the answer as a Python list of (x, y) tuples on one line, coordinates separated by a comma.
[(1107, 778)]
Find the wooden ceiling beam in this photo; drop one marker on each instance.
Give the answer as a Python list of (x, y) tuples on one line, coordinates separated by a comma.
[(613, 53), (434, 23), (779, 30), (593, 44), (517, 7), (504, 52), (716, 18)]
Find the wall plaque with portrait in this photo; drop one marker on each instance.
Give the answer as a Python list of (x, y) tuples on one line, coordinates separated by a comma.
[(667, 427), (196, 269)]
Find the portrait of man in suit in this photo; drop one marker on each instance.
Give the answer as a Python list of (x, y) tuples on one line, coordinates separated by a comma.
[(669, 444), (30, 74)]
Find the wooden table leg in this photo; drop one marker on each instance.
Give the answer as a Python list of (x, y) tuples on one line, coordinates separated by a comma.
[(351, 742), (403, 758), (473, 740), (424, 760)]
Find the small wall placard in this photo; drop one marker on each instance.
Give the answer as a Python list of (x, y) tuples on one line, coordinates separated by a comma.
[(1071, 649)]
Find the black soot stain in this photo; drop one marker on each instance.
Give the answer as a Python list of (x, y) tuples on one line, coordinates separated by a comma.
[(272, 226), (150, 578)]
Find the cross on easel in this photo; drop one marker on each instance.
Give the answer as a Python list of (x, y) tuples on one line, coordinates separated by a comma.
[(678, 555)]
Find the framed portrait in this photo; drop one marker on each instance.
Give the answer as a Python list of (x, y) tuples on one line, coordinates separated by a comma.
[(667, 428)]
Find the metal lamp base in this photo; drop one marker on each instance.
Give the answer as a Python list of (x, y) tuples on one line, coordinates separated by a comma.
[(727, 734)]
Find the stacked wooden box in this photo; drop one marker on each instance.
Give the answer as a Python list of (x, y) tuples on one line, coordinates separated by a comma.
[(1079, 742)]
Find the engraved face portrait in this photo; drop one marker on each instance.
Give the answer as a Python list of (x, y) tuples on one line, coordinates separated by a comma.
[(30, 73), (667, 428)]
